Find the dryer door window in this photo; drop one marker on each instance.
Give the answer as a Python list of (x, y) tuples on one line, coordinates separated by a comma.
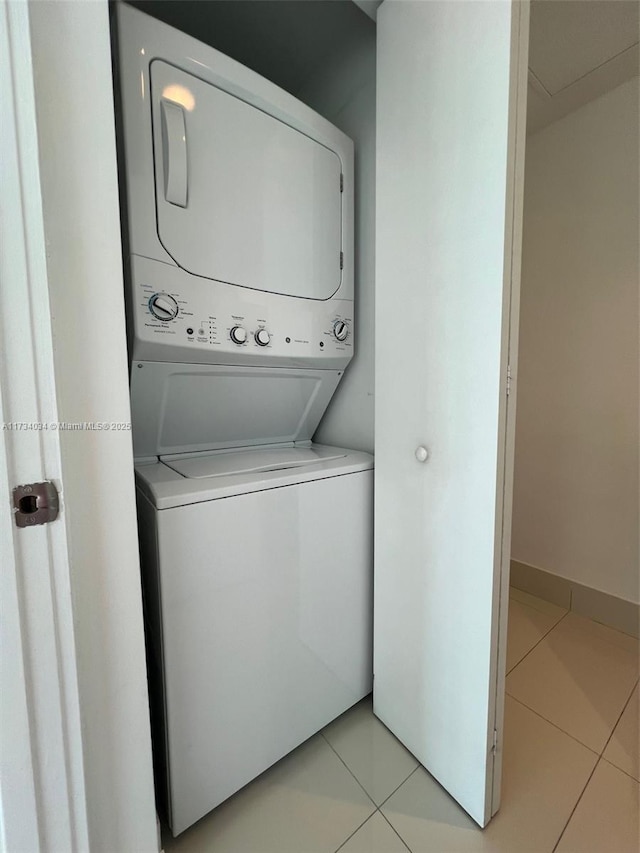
[(242, 197)]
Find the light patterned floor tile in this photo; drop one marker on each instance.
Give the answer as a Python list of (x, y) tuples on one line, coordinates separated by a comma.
[(596, 630), (544, 774), (527, 626), (376, 836), (622, 750), (606, 819), (375, 757), (579, 677), (537, 603), (307, 803)]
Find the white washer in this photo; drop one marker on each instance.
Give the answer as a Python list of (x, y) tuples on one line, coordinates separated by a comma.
[(256, 545), (258, 589)]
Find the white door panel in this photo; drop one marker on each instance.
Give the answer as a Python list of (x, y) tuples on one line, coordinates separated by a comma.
[(445, 196), (242, 197), (76, 751), (43, 802)]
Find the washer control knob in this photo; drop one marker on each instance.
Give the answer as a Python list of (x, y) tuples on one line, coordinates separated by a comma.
[(262, 337), (340, 330), (238, 335), (163, 307)]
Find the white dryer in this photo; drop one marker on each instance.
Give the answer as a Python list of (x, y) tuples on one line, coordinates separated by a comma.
[(256, 545)]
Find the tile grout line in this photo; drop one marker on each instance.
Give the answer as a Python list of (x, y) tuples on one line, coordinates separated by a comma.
[(579, 615), (543, 637), (615, 767), (595, 767), (624, 708), (386, 799), (378, 807), (384, 817), (564, 828), (357, 829), (377, 811), (538, 609), (551, 723), (339, 757)]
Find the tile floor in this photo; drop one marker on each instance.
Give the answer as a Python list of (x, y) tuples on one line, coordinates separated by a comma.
[(571, 782)]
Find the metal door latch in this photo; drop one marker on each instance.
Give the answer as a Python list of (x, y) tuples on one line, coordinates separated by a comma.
[(35, 503)]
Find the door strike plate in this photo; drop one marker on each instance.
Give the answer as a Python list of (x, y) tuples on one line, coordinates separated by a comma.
[(35, 503)]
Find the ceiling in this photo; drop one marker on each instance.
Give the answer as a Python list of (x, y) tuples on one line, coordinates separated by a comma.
[(578, 50)]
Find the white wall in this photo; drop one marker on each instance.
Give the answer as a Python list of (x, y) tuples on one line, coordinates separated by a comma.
[(74, 101), (576, 469), (345, 94)]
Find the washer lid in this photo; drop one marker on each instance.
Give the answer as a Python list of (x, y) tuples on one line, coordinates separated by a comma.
[(165, 488), (249, 461)]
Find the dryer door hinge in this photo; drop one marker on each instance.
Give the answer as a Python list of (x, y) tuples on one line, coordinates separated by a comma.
[(341, 183), (494, 747), (341, 260), (508, 379)]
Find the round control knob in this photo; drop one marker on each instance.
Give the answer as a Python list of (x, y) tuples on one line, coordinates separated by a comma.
[(262, 337), (340, 330), (238, 335), (163, 307)]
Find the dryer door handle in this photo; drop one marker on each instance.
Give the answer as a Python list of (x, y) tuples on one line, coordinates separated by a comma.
[(174, 153)]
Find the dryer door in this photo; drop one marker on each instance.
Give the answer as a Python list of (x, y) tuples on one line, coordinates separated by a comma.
[(241, 197)]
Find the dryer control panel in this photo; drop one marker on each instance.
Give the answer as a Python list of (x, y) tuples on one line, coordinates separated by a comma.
[(210, 322)]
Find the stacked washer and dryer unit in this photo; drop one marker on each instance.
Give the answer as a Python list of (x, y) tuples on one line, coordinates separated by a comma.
[(256, 545)]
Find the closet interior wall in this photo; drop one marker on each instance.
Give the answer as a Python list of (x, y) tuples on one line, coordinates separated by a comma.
[(576, 463)]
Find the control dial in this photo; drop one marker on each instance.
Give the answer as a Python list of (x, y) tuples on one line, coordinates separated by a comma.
[(262, 337), (340, 330), (238, 335), (163, 307)]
